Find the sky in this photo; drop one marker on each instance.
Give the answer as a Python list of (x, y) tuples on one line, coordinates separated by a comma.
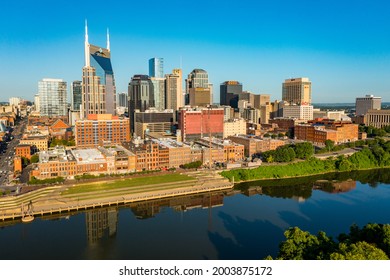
[(343, 47)]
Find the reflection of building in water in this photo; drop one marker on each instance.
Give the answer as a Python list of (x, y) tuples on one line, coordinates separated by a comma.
[(335, 187), (100, 222), (148, 209)]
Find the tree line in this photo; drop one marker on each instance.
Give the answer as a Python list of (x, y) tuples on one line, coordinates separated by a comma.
[(372, 242), (374, 154)]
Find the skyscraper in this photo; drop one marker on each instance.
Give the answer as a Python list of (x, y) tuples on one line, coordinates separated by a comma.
[(122, 99), (297, 91), (229, 93), (173, 90), (199, 78), (158, 92), (98, 84), (76, 88), (363, 104), (141, 96), (52, 97), (156, 67)]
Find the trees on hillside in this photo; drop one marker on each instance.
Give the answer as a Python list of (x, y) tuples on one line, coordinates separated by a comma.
[(372, 242)]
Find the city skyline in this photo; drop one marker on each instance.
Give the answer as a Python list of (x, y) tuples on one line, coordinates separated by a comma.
[(343, 51)]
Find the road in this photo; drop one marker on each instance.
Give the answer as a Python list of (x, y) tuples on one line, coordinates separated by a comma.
[(8, 152)]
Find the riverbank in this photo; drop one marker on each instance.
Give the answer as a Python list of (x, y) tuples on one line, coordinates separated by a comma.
[(362, 160), (60, 199)]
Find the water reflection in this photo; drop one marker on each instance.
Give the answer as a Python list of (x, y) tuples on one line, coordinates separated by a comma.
[(245, 223)]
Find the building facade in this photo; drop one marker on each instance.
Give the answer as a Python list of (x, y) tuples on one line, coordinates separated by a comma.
[(77, 98), (174, 98), (98, 82), (195, 123), (229, 93), (301, 112), (377, 118), (156, 67), (198, 78), (141, 96), (297, 91), (52, 98), (369, 102), (99, 129)]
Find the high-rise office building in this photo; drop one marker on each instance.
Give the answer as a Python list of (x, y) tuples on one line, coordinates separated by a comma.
[(122, 99), (199, 97), (260, 100), (52, 97), (229, 93), (198, 78), (98, 84), (173, 90), (36, 102), (369, 102), (141, 96), (156, 67), (76, 88), (297, 91), (158, 92)]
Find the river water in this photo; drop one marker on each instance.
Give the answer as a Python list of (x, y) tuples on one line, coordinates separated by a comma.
[(247, 223)]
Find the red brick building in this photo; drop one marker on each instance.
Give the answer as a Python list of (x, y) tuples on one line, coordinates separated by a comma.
[(196, 123), (23, 150), (100, 129)]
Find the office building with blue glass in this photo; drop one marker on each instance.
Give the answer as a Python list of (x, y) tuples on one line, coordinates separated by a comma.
[(156, 67), (98, 83)]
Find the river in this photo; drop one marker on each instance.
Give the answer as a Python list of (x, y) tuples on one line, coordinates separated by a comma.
[(246, 223)]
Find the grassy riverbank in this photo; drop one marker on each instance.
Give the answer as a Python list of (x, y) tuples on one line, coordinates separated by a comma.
[(127, 183), (377, 156)]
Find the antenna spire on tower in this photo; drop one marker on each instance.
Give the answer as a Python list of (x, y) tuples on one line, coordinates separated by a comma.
[(108, 39), (86, 45)]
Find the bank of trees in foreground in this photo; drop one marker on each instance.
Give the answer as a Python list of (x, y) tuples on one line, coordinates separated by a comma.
[(372, 242), (375, 155)]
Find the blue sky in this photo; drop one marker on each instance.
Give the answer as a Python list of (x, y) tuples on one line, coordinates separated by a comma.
[(342, 46)]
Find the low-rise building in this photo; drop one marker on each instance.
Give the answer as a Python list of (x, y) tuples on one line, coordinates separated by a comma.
[(234, 127), (119, 159), (377, 118), (37, 142), (253, 145), (23, 151), (321, 130)]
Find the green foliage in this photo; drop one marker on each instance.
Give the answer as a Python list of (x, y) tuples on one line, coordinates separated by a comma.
[(195, 164), (304, 150), (284, 154), (34, 158), (329, 145), (35, 181), (368, 158), (372, 242), (62, 142)]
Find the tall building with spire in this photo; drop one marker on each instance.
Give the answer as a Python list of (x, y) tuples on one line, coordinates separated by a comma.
[(98, 83)]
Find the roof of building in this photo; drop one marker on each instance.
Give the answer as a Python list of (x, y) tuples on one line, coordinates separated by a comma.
[(88, 156)]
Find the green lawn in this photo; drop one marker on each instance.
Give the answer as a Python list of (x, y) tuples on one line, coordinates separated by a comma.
[(127, 183)]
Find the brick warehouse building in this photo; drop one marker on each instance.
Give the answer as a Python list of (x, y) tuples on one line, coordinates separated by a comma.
[(196, 123)]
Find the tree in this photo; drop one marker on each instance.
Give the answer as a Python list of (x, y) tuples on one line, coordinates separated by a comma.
[(372, 242), (358, 251), (304, 150), (301, 245), (329, 145), (34, 158), (284, 154)]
